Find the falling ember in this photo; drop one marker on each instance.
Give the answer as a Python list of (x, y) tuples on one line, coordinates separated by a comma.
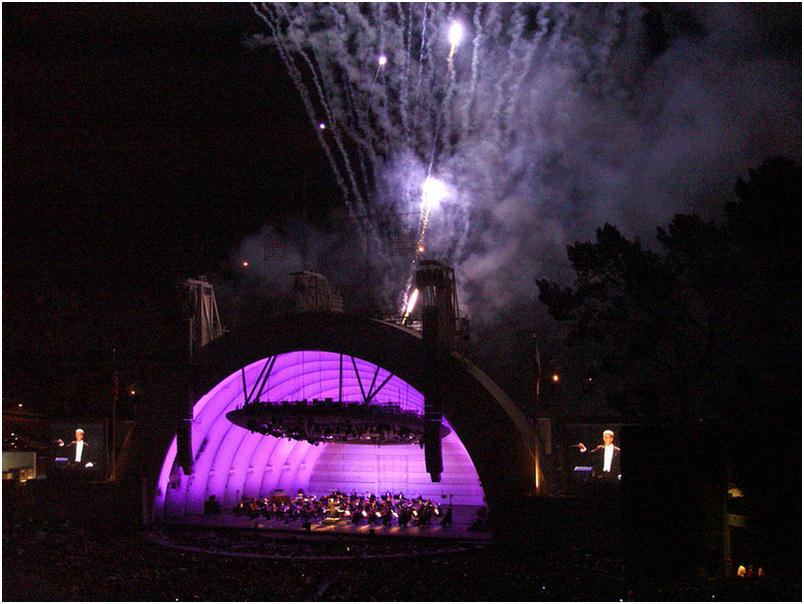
[(420, 249), (245, 263), (382, 60)]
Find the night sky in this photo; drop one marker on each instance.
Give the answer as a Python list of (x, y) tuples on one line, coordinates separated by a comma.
[(142, 144)]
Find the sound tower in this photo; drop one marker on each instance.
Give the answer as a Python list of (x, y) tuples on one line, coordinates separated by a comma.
[(436, 285), (204, 325)]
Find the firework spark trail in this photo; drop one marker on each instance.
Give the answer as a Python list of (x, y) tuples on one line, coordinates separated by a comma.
[(445, 129), (336, 107), (361, 137), (421, 49), (380, 46), (384, 88), (470, 97), (367, 140), (464, 119), (527, 63), (405, 77), (298, 82), (445, 112), (358, 104), (504, 95), (356, 128), (407, 43), (587, 124), (496, 22), (349, 194), (374, 81), (326, 104)]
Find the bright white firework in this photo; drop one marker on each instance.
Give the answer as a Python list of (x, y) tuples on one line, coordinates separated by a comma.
[(382, 60), (411, 305), (414, 297), (455, 34), (433, 191), (480, 117)]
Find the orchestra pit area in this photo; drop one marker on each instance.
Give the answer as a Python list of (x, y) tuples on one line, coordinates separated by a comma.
[(409, 525)]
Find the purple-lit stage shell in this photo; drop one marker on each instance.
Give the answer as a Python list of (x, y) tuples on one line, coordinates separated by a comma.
[(490, 451), (231, 461)]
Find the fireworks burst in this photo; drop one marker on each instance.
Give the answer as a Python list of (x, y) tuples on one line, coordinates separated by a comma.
[(525, 112), (398, 90)]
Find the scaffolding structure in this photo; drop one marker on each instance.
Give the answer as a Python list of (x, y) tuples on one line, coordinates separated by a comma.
[(312, 293), (204, 322)]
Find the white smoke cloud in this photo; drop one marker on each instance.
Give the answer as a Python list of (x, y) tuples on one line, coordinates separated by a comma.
[(554, 120)]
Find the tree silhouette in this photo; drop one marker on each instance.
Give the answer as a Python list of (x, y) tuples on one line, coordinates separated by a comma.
[(706, 328)]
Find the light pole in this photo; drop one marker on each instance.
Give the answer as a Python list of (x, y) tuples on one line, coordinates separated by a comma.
[(538, 373), (115, 388)]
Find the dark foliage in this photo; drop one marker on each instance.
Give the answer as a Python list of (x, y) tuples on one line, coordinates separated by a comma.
[(708, 327)]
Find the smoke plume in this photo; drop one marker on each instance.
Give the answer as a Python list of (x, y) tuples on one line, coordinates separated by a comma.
[(545, 122)]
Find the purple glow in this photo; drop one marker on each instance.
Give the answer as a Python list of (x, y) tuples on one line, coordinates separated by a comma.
[(231, 461)]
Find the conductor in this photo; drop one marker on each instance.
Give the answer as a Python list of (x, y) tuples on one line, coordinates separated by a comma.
[(79, 453), (606, 458)]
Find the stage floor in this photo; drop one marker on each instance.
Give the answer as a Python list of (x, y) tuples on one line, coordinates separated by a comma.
[(462, 519)]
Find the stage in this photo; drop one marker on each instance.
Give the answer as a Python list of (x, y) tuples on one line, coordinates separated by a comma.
[(230, 534), (462, 519)]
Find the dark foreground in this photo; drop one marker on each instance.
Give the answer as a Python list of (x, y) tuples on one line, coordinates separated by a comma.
[(56, 549)]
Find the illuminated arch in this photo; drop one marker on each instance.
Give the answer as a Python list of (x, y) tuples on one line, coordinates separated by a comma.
[(490, 427), (230, 461)]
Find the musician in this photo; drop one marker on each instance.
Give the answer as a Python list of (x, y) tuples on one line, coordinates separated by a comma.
[(446, 521), (79, 453), (605, 457), (404, 516)]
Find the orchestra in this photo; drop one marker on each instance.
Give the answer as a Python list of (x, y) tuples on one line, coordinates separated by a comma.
[(337, 507)]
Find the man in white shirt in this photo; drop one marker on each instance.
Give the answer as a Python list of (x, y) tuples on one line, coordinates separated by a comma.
[(606, 457), (79, 454)]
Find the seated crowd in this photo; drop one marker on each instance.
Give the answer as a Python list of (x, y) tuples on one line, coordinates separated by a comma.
[(384, 510)]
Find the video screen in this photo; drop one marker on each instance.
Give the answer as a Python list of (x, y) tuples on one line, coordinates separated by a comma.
[(594, 453), (79, 449)]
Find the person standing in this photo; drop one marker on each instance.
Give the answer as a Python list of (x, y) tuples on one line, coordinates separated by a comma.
[(79, 452), (606, 458)]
